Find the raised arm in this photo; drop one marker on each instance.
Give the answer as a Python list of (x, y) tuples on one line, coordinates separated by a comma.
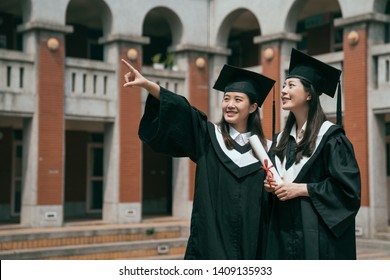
[(135, 78)]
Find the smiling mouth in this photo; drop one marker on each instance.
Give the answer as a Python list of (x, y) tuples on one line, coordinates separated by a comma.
[(231, 112)]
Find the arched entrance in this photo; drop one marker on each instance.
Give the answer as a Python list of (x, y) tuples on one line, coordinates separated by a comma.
[(156, 183), (85, 137), (387, 133), (313, 20), (11, 166), (12, 128), (164, 29), (84, 170), (236, 33), (90, 20)]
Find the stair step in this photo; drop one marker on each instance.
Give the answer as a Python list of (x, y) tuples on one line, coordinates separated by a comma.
[(162, 257), (379, 244), (383, 236), (118, 250), (98, 234)]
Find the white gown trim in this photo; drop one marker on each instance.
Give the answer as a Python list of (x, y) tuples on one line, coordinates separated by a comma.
[(292, 173), (239, 159)]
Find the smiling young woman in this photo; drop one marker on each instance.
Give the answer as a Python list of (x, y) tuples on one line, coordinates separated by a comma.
[(236, 108), (313, 210), (228, 216)]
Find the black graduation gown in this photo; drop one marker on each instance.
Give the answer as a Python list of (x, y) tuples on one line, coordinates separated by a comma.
[(321, 226), (226, 221)]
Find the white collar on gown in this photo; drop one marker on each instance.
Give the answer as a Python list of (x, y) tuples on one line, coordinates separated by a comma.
[(290, 174), (239, 159)]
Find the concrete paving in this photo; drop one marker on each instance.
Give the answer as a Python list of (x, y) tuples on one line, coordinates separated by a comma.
[(373, 249)]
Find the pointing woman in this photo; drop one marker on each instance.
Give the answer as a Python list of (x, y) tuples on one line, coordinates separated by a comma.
[(227, 216)]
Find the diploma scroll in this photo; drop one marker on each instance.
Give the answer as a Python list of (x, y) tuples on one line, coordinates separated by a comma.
[(264, 158)]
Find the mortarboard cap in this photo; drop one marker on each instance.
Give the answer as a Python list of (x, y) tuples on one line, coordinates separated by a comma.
[(234, 79), (321, 75)]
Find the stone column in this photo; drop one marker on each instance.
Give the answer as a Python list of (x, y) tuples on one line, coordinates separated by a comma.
[(198, 62), (43, 172), (123, 149), (361, 34)]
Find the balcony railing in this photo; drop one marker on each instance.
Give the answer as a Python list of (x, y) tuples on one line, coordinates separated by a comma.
[(379, 97), (90, 89), (171, 80), (17, 83), (381, 58), (91, 86)]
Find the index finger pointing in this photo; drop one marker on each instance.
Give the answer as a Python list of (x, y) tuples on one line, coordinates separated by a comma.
[(128, 64)]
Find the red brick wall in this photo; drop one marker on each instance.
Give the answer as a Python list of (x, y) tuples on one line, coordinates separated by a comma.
[(130, 146), (271, 69), (198, 97), (355, 103), (51, 122)]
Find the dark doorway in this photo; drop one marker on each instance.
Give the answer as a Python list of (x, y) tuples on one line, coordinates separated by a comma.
[(157, 183), (83, 175)]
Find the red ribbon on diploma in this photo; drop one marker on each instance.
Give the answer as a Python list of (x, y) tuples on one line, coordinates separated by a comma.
[(267, 169)]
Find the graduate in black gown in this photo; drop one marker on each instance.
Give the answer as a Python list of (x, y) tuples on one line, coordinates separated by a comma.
[(227, 217), (313, 211)]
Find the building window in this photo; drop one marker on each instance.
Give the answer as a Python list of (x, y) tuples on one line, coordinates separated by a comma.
[(95, 50), (319, 35), (337, 40), (388, 148), (387, 25), (17, 160), (10, 38), (95, 178), (3, 41)]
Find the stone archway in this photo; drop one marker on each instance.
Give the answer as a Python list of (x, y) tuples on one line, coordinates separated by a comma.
[(89, 25), (313, 20), (236, 33), (164, 29), (12, 15)]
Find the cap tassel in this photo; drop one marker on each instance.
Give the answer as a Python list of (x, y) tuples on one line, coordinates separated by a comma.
[(339, 120), (273, 113)]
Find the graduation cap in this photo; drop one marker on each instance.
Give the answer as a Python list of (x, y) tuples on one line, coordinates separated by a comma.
[(322, 76), (234, 79)]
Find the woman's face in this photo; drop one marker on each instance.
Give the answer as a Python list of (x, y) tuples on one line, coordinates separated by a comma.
[(294, 97), (236, 108)]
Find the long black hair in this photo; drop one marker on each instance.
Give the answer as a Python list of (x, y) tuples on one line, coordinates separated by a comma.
[(315, 118), (253, 125)]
